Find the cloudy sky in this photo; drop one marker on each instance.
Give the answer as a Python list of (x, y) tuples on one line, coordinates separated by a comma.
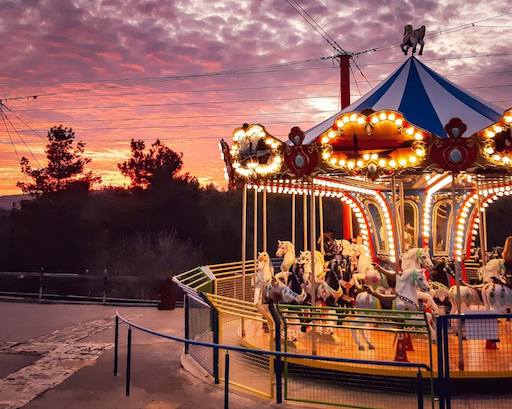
[(120, 69)]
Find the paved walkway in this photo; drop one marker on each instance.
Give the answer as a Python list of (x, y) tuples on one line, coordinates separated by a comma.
[(67, 360)]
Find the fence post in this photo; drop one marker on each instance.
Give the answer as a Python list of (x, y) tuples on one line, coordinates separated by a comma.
[(278, 362), (105, 279), (420, 389), (446, 380), (116, 345), (215, 322), (226, 380), (186, 305), (128, 361), (41, 275), (440, 362)]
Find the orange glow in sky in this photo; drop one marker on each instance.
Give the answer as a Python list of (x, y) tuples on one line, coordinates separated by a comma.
[(109, 70)]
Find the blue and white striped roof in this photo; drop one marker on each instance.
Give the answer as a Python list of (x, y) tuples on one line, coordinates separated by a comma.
[(424, 98)]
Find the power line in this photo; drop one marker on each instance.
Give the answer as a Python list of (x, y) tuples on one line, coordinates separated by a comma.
[(214, 125), (175, 104), (22, 140), (436, 33), (36, 95), (234, 71), (248, 114)]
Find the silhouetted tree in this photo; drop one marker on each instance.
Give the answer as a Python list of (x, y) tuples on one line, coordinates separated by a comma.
[(65, 168), (158, 165)]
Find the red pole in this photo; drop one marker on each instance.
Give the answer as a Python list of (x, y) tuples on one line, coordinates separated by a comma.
[(346, 213), (344, 80)]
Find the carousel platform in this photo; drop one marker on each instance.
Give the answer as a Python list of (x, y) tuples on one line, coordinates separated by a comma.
[(486, 371)]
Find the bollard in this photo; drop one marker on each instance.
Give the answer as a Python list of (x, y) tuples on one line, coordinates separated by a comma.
[(41, 275), (278, 362), (128, 361), (105, 282), (226, 381), (420, 389), (116, 345)]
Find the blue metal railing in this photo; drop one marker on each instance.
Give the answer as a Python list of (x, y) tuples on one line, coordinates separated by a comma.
[(443, 351), (279, 355)]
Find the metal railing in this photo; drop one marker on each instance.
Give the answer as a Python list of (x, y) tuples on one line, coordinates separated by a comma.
[(278, 356)]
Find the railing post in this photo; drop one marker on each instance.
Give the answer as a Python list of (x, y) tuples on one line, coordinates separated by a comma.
[(419, 387), (186, 305), (116, 345), (215, 322), (128, 361), (105, 282), (440, 362), (446, 381), (41, 275), (278, 363), (226, 380)]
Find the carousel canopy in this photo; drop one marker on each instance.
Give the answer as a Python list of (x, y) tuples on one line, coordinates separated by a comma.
[(424, 98)]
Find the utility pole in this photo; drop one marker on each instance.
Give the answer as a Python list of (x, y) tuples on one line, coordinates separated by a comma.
[(344, 61)]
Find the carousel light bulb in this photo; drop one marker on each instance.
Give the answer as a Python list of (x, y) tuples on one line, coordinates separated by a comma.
[(382, 116), (410, 131), (489, 134), (331, 134), (391, 116), (339, 123), (326, 155), (345, 119), (413, 159), (374, 156), (325, 139), (402, 162), (375, 120), (351, 164), (359, 163), (342, 162), (508, 119), (418, 136), (353, 117), (496, 157), (361, 120), (399, 121), (333, 161), (392, 163), (420, 152), (498, 129), (274, 145), (506, 160), (366, 156), (382, 163)]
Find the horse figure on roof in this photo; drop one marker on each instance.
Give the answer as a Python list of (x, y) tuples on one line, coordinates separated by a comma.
[(412, 38)]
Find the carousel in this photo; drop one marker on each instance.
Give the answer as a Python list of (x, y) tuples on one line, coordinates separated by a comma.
[(412, 165)]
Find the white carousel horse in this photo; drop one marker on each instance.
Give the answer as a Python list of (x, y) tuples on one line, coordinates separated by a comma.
[(286, 250), (305, 260), (262, 276), (410, 283), (497, 291), (483, 294), (412, 38)]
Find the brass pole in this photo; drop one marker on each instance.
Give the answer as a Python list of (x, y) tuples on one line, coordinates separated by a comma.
[(457, 277), (293, 219), (244, 236), (255, 231), (402, 215), (321, 220), (305, 219), (481, 229), (312, 229), (264, 233)]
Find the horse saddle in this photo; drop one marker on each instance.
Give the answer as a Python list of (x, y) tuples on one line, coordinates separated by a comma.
[(505, 283)]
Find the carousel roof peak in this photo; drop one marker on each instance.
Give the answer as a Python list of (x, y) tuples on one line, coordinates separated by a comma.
[(425, 98)]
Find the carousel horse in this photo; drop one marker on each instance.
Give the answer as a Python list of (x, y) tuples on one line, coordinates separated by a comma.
[(305, 260), (286, 250), (497, 290), (263, 276), (407, 297), (412, 38)]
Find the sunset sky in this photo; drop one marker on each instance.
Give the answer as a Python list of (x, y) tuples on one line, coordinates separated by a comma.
[(121, 69)]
